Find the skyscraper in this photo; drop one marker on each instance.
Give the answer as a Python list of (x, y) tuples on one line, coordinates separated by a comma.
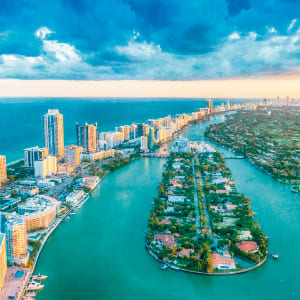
[(3, 260), (209, 105), (151, 138), (54, 132), (33, 154), (3, 174), (14, 228), (87, 137)]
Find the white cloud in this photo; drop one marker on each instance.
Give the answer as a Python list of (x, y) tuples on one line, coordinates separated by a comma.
[(138, 50), (292, 24), (272, 30), (234, 36), (62, 51), (43, 32)]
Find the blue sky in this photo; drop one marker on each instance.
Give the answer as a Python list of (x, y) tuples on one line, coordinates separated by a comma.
[(143, 39)]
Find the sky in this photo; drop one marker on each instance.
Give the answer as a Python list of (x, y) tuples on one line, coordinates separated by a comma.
[(152, 40)]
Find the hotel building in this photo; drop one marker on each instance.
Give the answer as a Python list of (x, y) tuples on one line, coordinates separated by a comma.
[(3, 260), (33, 154), (39, 212), (87, 137), (72, 155), (14, 227), (3, 173), (45, 167), (54, 132)]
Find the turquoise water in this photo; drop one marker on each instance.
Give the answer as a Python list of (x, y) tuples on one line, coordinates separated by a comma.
[(100, 254)]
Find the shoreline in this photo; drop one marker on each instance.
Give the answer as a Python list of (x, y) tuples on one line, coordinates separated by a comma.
[(205, 273)]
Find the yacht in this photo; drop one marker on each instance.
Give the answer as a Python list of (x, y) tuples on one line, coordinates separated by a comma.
[(39, 277), (34, 286), (164, 266)]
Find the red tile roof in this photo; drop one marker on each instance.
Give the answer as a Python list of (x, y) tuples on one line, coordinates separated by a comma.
[(185, 252), (217, 259), (164, 221), (166, 239), (247, 246)]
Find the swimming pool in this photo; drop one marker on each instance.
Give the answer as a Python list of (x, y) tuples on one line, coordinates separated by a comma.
[(19, 274)]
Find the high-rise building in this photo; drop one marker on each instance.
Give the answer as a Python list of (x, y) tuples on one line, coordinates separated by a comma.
[(87, 137), (33, 154), (140, 130), (14, 227), (46, 166), (3, 260), (228, 104), (3, 173), (209, 105), (151, 138), (144, 143), (54, 132), (72, 155)]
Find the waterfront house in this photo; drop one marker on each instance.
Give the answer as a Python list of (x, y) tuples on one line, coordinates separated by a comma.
[(223, 262), (185, 252), (164, 239), (245, 235)]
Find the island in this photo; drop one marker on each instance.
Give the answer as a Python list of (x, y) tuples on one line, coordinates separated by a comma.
[(200, 223), (268, 136)]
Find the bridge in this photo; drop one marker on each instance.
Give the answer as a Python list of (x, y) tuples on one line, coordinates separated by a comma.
[(233, 157), (159, 155)]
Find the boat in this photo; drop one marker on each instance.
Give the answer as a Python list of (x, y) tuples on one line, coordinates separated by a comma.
[(39, 277), (67, 218), (34, 286), (73, 213), (30, 294), (275, 256), (164, 266)]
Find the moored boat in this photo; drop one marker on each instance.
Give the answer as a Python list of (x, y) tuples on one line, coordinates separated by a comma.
[(164, 266), (39, 277), (275, 256), (34, 286)]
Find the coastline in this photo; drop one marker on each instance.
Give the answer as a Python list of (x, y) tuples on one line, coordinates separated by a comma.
[(205, 273)]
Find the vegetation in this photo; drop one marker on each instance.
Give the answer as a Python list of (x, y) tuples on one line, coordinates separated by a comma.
[(269, 138)]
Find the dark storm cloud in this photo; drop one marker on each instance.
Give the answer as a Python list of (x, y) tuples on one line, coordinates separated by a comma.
[(146, 39)]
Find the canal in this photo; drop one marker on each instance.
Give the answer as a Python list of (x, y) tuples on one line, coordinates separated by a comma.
[(100, 254)]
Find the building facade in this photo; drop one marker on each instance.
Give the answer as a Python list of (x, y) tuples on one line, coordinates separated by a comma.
[(3, 260), (72, 155), (33, 154), (45, 167), (54, 132), (38, 212), (87, 137), (14, 227), (3, 172)]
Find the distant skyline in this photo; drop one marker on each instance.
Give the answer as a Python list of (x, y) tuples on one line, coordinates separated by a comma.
[(149, 39)]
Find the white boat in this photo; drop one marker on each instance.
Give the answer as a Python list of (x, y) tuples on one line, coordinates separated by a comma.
[(164, 266), (39, 277), (275, 256), (34, 286), (67, 218)]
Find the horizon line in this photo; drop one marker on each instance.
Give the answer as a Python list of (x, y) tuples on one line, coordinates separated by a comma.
[(241, 88)]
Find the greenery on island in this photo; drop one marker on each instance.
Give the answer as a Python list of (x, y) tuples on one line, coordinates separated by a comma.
[(269, 137), (190, 249)]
